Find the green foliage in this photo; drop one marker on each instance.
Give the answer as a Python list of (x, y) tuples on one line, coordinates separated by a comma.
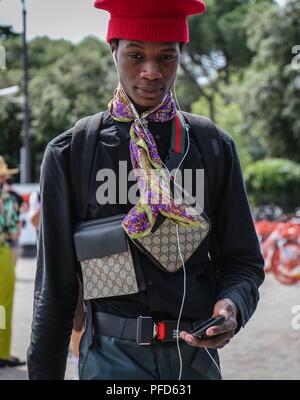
[(43, 52), (270, 94), (11, 116), (10, 128), (7, 31), (222, 28), (67, 82), (274, 180), (256, 73), (228, 117)]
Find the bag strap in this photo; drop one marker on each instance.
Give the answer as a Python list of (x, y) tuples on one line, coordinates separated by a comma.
[(83, 148), (209, 143), (177, 144)]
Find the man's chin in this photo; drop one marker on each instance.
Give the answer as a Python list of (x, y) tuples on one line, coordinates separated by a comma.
[(144, 102), (147, 103)]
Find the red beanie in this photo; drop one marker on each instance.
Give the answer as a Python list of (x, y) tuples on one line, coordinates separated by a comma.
[(144, 20)]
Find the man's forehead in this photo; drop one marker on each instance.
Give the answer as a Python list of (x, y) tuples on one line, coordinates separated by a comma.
[(143, 44)]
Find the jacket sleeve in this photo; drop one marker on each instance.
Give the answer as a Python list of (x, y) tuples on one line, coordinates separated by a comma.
[(236, 246), (56, 284)]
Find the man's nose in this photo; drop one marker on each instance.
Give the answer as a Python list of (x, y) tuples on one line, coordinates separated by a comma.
[(151, 71)]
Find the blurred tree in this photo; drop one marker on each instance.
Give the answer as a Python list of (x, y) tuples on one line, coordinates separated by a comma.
[(6, 31), (79, 83), (67, 82), (228, 117), (11, 106), (270, 94), (274, 180), (218, 46), (43, 52), (10, 128)]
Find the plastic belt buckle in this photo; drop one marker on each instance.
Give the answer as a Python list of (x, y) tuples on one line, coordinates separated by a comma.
[(167, 331), (145, 331)]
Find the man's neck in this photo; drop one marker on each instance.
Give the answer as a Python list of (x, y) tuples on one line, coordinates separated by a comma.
[(141, 109)]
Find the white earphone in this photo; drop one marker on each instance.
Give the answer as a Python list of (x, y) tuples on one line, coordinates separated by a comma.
[(115, 58)]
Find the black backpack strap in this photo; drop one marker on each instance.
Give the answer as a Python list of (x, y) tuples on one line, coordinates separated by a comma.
[(83, 148), (209, 143)]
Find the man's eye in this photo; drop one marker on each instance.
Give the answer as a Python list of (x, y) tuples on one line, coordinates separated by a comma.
[(139, 56), (135, 55), (167, 58)]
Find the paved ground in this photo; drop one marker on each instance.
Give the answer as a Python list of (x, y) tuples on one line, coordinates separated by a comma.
[(22, 320), (268, 348)]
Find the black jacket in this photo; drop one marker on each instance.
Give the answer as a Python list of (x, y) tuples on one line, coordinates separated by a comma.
[(228, 264)]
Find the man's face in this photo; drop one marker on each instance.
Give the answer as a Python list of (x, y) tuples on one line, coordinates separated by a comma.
[(147, 70)]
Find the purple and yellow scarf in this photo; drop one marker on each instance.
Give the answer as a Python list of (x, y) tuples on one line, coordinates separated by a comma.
[(153, 184)]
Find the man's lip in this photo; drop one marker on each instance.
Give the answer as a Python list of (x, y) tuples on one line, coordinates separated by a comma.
[(149, 93), (149, 90)]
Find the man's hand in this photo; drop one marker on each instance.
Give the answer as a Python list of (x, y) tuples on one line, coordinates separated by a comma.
[(223, 333)]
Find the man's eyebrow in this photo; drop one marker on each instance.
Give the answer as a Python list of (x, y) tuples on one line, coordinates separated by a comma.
[(132, 44)]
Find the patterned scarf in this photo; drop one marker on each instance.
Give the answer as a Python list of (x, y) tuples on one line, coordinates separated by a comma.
[(153, 184)]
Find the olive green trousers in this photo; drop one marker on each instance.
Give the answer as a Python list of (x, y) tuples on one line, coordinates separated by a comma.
[(7, 287)]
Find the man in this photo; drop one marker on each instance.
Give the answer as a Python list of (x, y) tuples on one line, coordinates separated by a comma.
[(9, 231), (223, 274)]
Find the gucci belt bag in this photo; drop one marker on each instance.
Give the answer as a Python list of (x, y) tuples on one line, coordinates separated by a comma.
[(161, 245), (109, 262)]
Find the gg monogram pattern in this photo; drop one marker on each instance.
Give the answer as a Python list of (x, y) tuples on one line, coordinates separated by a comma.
[(109, 276), (163, 246)]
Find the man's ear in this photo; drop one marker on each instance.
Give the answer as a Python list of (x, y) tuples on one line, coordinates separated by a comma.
[(114, 46)]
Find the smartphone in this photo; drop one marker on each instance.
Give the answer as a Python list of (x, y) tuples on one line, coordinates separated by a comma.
[(199, 331)]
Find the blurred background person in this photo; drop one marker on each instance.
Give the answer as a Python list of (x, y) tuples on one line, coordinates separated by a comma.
[(18, 201), (35, 209), (9, 231)]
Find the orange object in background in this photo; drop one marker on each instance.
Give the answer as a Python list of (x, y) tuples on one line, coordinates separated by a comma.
[(264, 228), (280, 246)]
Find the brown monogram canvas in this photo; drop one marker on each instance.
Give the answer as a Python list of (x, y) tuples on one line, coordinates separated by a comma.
[(163, 245), (109, 276)]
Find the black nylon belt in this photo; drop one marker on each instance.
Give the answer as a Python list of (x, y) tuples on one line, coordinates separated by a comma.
[(142, 330)]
